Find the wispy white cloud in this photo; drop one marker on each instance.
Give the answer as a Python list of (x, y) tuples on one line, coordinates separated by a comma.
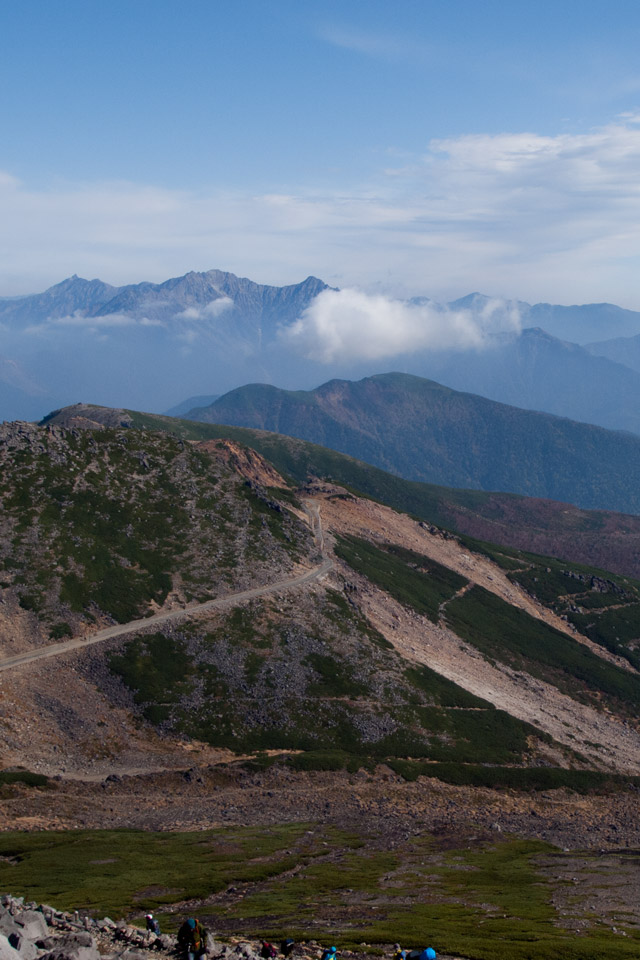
[(80, 320), (519, 214), (209, 311), (353, 325), (383, 46)]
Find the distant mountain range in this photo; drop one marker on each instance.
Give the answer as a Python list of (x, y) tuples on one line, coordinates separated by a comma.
[(146, 344), (150, 345), (424, 431), (536, 371), (579, 323), (624, 350)]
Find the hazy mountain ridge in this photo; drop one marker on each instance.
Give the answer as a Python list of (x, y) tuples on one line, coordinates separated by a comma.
[(149, 345), (625, 350), (537, 371), (93, 298), (424, 431), (61, 300)]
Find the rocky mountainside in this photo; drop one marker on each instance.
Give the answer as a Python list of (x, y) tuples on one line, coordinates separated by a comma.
[(156, 301), (423, 431), (293, 711), (384, 659), (600, 538)]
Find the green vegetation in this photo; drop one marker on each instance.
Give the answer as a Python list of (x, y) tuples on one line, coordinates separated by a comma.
[(526, 779), (507, 634), (101, 522), (409, 577), (158, 669), (504, 633), (60, 630), (486, 899), (122, 871), (298, 459), (252, 684), (617, 630), (603, 606), (440, 690), (23, 776), (515, 518)]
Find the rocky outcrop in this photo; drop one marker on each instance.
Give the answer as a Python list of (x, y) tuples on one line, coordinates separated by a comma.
[(31, 931), (245, 461)]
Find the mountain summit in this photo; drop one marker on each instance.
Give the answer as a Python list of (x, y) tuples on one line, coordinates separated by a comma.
[(425, 431)]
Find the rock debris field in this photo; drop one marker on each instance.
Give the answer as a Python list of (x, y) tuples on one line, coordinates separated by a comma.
[(31, 931)]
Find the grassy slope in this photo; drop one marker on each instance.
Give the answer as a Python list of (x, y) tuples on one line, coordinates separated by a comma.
[(499, 630), (472, 897)]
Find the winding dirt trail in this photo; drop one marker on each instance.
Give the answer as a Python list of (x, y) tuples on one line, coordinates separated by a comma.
[(312, 511)]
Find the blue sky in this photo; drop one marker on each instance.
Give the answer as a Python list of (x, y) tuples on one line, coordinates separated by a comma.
[(432, 147)]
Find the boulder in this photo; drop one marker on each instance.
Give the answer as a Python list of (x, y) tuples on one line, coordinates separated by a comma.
[(25, 947), (7, 952), (33, 924), (8, 924), (76, 946)]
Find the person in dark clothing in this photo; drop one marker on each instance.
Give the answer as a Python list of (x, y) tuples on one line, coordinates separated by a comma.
[(286, 947), (152, 925), (192, 939), (268, 951)]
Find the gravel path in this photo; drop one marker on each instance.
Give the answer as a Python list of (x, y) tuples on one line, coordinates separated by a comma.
[(233, 599)]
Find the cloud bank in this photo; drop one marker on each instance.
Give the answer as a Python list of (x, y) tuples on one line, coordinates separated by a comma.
[(353, 325), (519, 214)]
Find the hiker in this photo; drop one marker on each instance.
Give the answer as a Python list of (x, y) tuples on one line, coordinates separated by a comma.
[(287, 946), (192, 938), (398, 952), (329, 954), (268, 951), (152, 925), (428, 954)]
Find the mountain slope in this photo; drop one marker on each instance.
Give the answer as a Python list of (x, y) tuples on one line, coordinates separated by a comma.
[(623, 350), (537, 371), (424, 431), (601, 538), (112, 523)]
